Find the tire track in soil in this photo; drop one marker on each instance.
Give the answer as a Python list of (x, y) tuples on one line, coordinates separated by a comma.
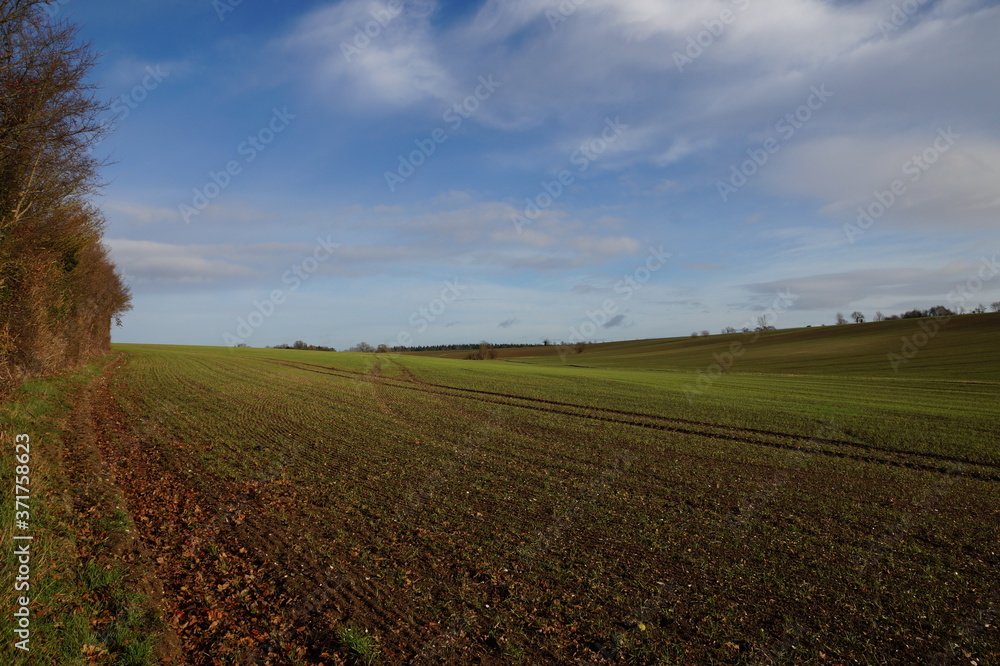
[(756, 431), (345, 598), (350, 597), (460, 635), (433, 636), (899, 459)]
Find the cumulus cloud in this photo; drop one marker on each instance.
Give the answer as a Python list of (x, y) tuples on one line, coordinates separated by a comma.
[(758, 68), (687, 122)]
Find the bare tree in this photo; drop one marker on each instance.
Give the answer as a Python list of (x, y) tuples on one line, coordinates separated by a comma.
[(485, 352), (840, 319), (858, 317), (728, 329), (979, 309), (995, 306), (879, 316), (60, 290), (49, 117)]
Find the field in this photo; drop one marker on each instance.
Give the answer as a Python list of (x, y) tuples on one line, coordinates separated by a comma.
[(799, 503)]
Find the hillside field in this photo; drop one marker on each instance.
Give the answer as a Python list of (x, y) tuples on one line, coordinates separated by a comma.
[(802, 503)]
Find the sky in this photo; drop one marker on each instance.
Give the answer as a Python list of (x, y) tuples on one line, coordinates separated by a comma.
[(428, 172)]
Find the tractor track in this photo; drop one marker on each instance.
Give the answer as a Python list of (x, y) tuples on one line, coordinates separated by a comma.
[(923, 462)]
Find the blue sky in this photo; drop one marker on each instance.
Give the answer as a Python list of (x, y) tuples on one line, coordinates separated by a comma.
[(529, 169)]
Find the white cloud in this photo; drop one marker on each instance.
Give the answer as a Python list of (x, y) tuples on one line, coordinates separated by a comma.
[(141, 260), (606, 245), (877, 287), (143, 215), (394, 64), (957, 188)]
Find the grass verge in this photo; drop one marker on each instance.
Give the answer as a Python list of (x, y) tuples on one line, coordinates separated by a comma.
[(83, 608)]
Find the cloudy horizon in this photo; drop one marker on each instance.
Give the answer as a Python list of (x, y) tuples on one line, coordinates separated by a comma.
[(450, 172)]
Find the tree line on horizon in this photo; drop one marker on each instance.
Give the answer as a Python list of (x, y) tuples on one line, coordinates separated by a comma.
[(763, 324), (366, 348), (936, 311), (59, 290), (484, 350)]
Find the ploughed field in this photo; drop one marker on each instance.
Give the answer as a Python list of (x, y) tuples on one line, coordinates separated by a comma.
[(493, 511)]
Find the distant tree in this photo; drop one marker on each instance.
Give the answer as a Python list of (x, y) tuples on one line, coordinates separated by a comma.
[(979, 309), (840, 319), (382, 349), (580, 346), (694, 334), (745, 329), (546, 342), (879, 316), (363, 347), (939, 311), (242, 344), (299, 344), (728, 329), (764, 323), (705, 333), (484, 353), (995, 306), (858, 317)]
